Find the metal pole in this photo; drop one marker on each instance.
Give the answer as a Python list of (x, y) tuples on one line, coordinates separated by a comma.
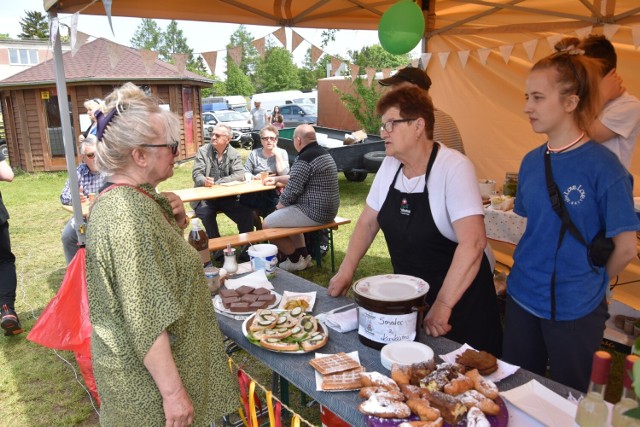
[(67, 136)]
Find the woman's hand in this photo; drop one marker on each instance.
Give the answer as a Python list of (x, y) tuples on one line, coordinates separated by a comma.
[(339, 284), (177, 207), (178, 409), (437, 321)]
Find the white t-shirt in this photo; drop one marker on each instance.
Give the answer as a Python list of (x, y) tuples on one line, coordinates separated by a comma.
[(453, 188), (622, 116)]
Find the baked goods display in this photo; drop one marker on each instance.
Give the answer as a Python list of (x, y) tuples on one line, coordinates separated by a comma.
[(245, 300), (450, 394), (339, 372), (485, 363), (291, 331)]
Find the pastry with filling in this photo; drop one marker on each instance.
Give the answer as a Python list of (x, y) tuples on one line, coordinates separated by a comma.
[(451, 409), (423, 409), (384, 408)]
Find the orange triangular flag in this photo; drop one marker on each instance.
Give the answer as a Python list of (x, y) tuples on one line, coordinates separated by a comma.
[(236, 54), (296, 40), (281, 35), (316, 53), (148, 59), (259, 45), (211, 58), (180, 61)]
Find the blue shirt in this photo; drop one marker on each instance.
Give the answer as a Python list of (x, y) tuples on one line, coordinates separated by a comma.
[(89, 181), (597, 193)]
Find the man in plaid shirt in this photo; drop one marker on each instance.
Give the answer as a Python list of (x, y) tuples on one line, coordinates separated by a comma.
[(311, 197), (89, 182)]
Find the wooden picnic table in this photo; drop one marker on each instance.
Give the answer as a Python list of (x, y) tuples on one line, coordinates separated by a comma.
[(221, 190)]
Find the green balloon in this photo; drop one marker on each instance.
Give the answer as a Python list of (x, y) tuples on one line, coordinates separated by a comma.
[(401, 27)]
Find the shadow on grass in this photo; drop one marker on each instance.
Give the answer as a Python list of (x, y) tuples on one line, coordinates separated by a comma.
[(54, 279)]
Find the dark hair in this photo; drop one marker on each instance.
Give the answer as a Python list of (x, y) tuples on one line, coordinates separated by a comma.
[(412, 102), (578, 75), (567, 43), (597, 46)]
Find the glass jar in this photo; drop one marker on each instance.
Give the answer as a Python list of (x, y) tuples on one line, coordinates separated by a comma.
[(510, 186)]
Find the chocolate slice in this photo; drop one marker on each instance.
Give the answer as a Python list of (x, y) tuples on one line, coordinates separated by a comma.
[(243, 290), (239, 306)]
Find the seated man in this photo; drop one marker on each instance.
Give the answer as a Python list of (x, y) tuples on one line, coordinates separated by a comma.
[(311, 197), (217, 163), (269, 159), (90, 181)]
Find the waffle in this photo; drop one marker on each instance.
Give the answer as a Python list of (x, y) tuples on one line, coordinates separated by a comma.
[(345, 380), (335, 363)]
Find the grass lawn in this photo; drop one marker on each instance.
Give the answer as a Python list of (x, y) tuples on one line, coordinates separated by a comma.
[(42, 387)]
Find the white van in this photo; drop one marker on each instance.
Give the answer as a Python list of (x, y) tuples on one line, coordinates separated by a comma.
[(235, 102), (268, 100)]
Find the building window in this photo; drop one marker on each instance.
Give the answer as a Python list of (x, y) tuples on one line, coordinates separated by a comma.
[(23, 56)]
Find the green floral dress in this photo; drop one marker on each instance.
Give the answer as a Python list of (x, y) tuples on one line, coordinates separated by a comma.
[(144, 278)]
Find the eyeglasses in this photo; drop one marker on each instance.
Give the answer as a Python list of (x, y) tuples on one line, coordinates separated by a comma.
[(218, 135), (268, 138), (173, 145), (388, 126), (89, 155)]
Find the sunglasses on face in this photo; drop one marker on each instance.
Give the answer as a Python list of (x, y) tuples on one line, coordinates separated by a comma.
[(268, 138), (173, 145), (89, 155)]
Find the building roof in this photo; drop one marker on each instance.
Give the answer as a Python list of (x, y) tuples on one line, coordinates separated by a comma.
[(91, 64)]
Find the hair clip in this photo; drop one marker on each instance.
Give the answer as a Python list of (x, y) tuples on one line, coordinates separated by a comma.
[(572, 50), (103, 121)]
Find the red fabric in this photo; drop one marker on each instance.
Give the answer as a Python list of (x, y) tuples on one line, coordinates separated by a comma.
[(64, 324)]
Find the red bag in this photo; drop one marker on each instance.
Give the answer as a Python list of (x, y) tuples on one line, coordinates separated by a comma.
[(64, 324)]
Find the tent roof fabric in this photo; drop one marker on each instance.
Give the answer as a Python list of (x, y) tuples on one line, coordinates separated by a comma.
[(91, 64)]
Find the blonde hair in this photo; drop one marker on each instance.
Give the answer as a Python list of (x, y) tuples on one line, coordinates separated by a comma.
[(576, 74), (95, 104), (131, 127)]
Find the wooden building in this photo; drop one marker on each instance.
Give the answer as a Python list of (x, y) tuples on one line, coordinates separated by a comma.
[(30, 104)]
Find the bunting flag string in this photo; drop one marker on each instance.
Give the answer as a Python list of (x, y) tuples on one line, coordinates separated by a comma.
[(148, 59), (371, 72), (78, 39), (114, 50), (180, 61)]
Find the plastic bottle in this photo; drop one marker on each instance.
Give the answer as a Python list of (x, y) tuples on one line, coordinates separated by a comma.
[(592, 410), (199, 240), (628, 399)]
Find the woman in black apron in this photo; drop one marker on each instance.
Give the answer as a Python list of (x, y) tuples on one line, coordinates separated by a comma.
[(467, 311)]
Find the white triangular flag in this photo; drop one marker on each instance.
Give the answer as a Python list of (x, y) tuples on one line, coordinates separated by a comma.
[(464, 57), (506, 50), (281, 35), (53, 31), (530, 48), (371, 72), (296, 39), (610, 30), (107, 9), (81, 39), (483, 53), (425, 58), (584, 31), (443, 56), (635, 35), (211, 58), (180, 61), (73, 32), (148, 59), (354, 69), (114, 50), (553, 40)]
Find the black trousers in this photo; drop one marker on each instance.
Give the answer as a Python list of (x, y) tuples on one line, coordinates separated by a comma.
[(206, 210), (8, 281)]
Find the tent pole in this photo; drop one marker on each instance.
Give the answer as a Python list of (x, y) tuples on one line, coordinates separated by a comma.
[(67, 137)]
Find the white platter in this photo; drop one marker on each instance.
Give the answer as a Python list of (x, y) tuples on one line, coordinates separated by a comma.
[(405, 353), (543, 404), (245, 332), (391, 287), (220, 308)]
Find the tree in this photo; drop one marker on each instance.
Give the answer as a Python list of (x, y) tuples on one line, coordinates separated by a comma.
[(5, 36), (174, 41), (238, 83), (148, 35), (277, 72), (376, 57), (362, 104), (250, 58), (34, 26), (327, 36), (310, 73)]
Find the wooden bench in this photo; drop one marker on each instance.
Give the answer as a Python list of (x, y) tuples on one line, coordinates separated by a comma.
[(269, 234)]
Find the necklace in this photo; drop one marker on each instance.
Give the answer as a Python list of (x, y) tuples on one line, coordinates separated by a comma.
[(566, 147), (406, 185)]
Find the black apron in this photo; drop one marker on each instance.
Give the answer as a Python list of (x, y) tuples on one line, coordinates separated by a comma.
[(417, 248)]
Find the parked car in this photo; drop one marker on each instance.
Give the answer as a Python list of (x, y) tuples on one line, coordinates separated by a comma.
[(296, 114), (238, 123)]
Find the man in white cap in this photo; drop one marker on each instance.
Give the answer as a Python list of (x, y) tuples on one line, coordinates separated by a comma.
[(445, 129)]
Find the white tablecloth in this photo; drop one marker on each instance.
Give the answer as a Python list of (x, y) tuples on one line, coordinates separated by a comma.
[(505, 226)]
